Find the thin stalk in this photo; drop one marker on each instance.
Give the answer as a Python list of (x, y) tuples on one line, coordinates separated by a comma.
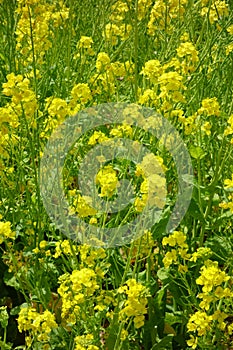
[(218, 171)]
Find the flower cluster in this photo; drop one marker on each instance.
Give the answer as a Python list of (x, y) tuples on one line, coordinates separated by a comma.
[(177, 240), (165, 82), (229, 187), (37, 325), (64, 247), (209, 107), (84, 47), (189, 55), (107, 179), (136, 304), (164, 14), (153, 187), (229, 128), (75, 289), (6, 231), (82, 205), (109, 74), (33, 32), (213, 280), (217, 10), (84, 342), (23, 99)]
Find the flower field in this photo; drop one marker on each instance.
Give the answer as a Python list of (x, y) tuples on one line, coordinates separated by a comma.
[(66, 281)]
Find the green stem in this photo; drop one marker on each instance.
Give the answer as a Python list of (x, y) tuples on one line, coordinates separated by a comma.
[(4, 337), (127, 264), (136, 50), (218, 171)]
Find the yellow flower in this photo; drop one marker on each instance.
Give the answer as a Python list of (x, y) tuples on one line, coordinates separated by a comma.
[(57, 107), (199, 322), (187, 49), (210, 106), (42, 244), (219, 8), (152, 70), (230, 29), (124, 334), (103, 62), (85, 42), (169, 258), (192, 342), (206, 127), (111, 33), (82, 205), (136, 304), (229, 129), (39, 325), (140, 203), (183, 268), (229, 49), (201, 253), (122, 130), (64, 247), (34, 22), (108, 181), (228, 183), (84, 342), (97, 137), (5, 231), (81, 93), (177, 238), (171, 81), (163, 14), (148, 97), (211, 276)]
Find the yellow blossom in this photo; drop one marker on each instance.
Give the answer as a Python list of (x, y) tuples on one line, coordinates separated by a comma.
[(108, 181), (6, 231)]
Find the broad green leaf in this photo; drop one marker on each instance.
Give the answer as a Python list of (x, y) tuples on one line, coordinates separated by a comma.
[(164, 344), (196, 152)]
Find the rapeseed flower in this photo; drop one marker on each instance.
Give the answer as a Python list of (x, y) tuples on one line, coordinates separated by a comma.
[(189, 50), (229, 183), (84, 342), (81, 93), (103, 62), (210, 107), (199, 322), (211, 276), (82, 205), (136, 304), (107, 180), (75, 289), (39, 325), (6, 231), (152, 70), (97, 137), (218, 9), (84, 46)]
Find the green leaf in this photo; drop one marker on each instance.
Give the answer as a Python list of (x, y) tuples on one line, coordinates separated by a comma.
[(196, 152), (195, 211), (4, 316), (175, 286), (172, 319), (221, 246), (5, 346), (12, 282), (163, 275), (15, 310), (164, 344), (159, 309)]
